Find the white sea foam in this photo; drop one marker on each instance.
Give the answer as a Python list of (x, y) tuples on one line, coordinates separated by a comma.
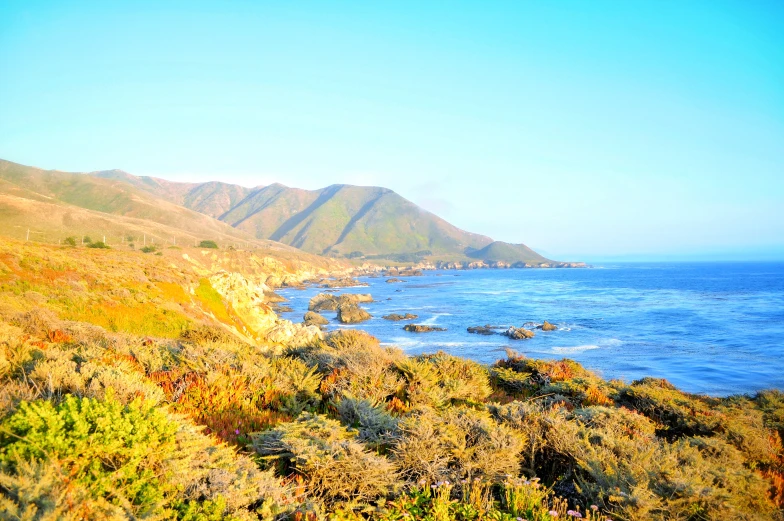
[(574, 349)]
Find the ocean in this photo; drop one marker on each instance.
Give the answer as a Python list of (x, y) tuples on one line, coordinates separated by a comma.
[(712, 328)]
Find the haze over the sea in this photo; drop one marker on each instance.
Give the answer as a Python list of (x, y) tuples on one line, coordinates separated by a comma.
[(632, 131)]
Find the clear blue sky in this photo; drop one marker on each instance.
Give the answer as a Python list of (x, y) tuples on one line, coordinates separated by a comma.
[(585, 129)]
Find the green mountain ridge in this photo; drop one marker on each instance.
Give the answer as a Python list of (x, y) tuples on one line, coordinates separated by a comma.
[(55, 204), (338, 220)]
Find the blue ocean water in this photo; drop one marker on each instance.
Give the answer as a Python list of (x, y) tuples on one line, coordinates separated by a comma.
[(714, 328)]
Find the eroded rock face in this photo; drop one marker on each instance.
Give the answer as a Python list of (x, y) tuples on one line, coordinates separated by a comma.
[(518, 333), (547, 326), (294, 335), (246, 300), (396, 317), (350, 313), (314, 319), (421, 328)]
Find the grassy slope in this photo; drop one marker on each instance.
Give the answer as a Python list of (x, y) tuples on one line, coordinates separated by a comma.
[(505, 252), (337, 219), (55, 205), (212, 198)]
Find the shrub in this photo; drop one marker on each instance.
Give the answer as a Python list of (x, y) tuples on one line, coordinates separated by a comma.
[(99, 244), (90, 459), (440, 379), (457, 443), (208, 244), (375, 425), (70, 241), (149, 249), (335, 466)]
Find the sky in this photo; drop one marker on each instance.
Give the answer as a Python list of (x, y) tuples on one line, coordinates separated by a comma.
[(587, 130)]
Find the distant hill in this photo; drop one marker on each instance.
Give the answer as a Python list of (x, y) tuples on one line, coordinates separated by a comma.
[(213, 198), (54, 205), (498, 251), (339, 220)]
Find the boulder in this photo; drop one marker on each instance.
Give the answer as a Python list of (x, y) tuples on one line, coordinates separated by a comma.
[(393, 280), (518, 333), (349, 313), (323, 302), (294, 335), (396, 317), (312, 318), (482, 330), (421, 328), (346, 282), (548, 326), (327, 302)]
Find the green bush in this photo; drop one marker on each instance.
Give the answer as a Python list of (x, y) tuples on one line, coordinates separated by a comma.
[(208, 244), (454, 444), (100, 244), (70, 241), (335, 466), (90, 459)]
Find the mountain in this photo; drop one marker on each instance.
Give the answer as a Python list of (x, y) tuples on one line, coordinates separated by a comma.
[(54, 205), (338, 220), (499, 251), (213, 198)]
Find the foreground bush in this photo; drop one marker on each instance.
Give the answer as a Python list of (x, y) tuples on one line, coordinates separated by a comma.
[(91, 459), (335, 466)]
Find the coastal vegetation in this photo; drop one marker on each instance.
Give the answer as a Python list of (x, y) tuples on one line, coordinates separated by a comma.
[(139, 386)]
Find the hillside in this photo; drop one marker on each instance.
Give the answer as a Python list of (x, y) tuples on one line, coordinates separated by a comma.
[(54, 205), (499, 251), (338, 220)]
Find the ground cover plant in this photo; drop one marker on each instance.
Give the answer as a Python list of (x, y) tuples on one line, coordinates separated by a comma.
[(128, 392)]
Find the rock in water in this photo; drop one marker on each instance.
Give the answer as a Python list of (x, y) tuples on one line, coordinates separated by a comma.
[(518, 333), (392, 280), (314, 319), (349, 313), (327, 302), (323, 302), (548, 326), (395, 316), (420, 328), (481, 330)]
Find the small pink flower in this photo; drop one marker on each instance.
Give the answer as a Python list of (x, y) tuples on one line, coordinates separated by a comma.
[(594, 508), (236, 431), (553, 513)]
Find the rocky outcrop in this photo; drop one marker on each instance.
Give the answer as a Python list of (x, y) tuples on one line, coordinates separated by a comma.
[(518, 333), (327, 302), (246, 301), (402, 272), (483, 330), (312, 318), (547, 326), (346, 282), (350, 313), (294, 335), (396, 317), (421, 328), (394, 280)]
